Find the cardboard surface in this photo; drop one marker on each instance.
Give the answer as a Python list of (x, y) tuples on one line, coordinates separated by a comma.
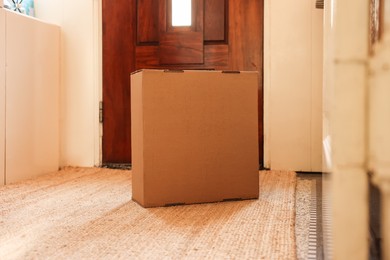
[(194, 136)]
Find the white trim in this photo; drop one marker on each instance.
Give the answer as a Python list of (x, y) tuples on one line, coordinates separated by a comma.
[(97, 78), (2, 96), (266, 83)]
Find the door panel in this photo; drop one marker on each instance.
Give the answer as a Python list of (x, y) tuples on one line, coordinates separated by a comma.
[(181, 48), (215, 19), (224, 35), (215, 57), (246, 46), (119, 38), (181, 45), (147, 22)]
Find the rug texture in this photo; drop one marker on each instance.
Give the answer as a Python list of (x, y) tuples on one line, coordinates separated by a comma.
[(302, 221), (87, 213)]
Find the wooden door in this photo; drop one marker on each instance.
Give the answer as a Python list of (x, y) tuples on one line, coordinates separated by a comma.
[(137, 34)]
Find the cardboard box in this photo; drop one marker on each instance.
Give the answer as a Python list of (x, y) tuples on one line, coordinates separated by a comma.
[(194, 136)]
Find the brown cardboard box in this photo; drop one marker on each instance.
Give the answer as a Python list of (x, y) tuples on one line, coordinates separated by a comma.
[(194, 136)]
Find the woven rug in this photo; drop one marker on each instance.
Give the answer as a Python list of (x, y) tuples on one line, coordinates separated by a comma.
[(87, 213), (302, 221)]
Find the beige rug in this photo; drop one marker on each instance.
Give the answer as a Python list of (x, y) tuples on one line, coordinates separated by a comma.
[(87, 213)]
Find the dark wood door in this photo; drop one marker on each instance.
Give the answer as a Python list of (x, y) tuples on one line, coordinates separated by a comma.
[(137, 34)]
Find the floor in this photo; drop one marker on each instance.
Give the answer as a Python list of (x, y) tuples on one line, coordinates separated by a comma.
[(88, 213), (309, 226), (308, 229), (313, 216)]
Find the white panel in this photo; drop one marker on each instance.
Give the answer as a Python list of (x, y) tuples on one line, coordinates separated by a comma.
[(293, 85), (79, 84), (351, 44), (290, 89), (379, 120), (380, 110), (327, 192), (327, 87), (349, 100), (77, 94), (32, 92), (379, 141), (316, 89), (350, 213), (348, 129), (267, 82), (2, 97), (348, 115)]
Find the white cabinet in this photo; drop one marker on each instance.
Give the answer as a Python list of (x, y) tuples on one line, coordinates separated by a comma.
[(29, 102)]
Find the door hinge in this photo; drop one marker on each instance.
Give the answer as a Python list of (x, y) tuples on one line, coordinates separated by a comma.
[(100, 111)]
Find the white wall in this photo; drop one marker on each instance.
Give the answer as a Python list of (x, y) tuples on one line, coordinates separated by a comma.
[(31, 96), (292, 62), (328, 86), (80, 79), (379, 127), (2, 97), (293, 85)]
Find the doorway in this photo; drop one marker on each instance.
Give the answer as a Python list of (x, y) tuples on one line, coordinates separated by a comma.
[(139, 34)]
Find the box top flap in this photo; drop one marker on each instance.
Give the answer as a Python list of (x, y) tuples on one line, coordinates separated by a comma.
[(191, 71)]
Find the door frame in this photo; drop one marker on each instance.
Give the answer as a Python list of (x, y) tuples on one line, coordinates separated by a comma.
[(97, 24), (98, 82)]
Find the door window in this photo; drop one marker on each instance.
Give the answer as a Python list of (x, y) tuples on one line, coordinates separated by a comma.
[(181, 13)]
